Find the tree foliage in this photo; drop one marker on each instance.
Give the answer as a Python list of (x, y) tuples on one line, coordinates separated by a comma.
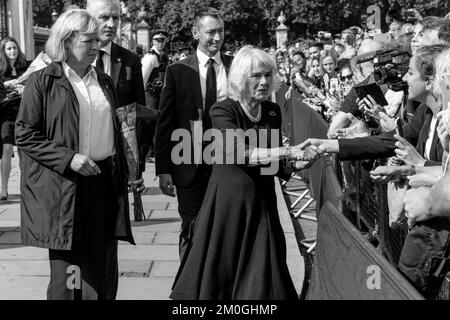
[(252, 21), (255, 21), (42, 10)]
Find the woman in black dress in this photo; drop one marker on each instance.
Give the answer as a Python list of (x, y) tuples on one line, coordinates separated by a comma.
[(13, 64), (238, 250)]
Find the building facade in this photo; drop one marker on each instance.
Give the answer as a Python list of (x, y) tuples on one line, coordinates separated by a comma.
[(16, 20)]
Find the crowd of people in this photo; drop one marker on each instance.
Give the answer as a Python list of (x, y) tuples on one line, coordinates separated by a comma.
[(406, 131), (61, 112)]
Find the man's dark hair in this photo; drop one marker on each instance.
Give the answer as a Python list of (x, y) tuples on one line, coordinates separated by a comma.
[(299, 53), (209, 12), (342, 63), (395, 14), (316, 44)]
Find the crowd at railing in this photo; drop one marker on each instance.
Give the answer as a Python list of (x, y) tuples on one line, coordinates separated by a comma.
[(383, 111)]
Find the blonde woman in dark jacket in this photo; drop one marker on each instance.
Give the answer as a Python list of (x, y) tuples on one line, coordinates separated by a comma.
[(73, 184)]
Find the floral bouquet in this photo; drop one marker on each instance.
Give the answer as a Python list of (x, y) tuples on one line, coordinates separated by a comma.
[(127, 122)]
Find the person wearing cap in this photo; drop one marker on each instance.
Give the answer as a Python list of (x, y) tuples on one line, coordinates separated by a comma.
[(154, 64)]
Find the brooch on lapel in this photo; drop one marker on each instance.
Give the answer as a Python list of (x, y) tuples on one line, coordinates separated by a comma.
[(273, 113), (119, 60)]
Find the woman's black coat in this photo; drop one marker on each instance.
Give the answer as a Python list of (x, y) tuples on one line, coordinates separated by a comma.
[(47, 136)]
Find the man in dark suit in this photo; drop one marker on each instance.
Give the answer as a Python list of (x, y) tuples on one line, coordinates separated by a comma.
[(122, 65), (191, 87)]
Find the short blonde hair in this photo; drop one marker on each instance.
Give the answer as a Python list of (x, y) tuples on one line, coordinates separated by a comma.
[(241, 69), (64, 30)]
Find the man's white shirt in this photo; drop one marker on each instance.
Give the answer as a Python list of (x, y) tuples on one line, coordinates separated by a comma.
[(221, 75), (106, 58)]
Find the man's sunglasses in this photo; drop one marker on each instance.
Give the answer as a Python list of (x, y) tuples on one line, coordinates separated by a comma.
[(159, 39), (349, 77)]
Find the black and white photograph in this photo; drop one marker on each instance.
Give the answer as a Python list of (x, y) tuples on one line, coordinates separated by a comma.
[(249, 155)]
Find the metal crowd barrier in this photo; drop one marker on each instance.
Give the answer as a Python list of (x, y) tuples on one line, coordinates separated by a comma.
[(366, 207)]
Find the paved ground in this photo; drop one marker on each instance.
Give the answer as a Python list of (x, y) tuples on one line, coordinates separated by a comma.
[(147, 270)]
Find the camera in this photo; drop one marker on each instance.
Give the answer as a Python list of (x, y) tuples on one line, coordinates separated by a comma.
[(390, 67), (410, 16), (324, 37)]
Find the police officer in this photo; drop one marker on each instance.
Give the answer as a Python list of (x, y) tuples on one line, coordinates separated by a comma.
[(154, 65)]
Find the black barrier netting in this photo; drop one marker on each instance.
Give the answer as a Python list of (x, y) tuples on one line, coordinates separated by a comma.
[(371, 208), (347, 267), (283, 103), (306, 123)]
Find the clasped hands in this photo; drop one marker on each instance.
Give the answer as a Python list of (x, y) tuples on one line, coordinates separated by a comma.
[(302, 157), (85, 166)]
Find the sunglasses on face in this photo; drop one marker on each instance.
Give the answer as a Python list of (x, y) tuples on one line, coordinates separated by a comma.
[(348, 78), (159, 39)]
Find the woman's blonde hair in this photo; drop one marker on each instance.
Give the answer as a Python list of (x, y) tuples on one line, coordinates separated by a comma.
[(64, 30), (241, 69), (328, 54)]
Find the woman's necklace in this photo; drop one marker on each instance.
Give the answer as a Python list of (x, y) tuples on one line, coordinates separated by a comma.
[(246, 108)]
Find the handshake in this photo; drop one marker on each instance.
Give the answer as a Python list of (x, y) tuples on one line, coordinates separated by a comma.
[(302, 157)]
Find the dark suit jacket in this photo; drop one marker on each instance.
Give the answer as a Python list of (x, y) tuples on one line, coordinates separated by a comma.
[(126, 72), (383, 146), (181, 98)]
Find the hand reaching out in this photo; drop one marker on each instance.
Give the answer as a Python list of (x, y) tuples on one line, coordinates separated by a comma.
[(386, 123), (369, 107), (309, 153), (407, 152), (394, 161), (383, 174), (322, 145)]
